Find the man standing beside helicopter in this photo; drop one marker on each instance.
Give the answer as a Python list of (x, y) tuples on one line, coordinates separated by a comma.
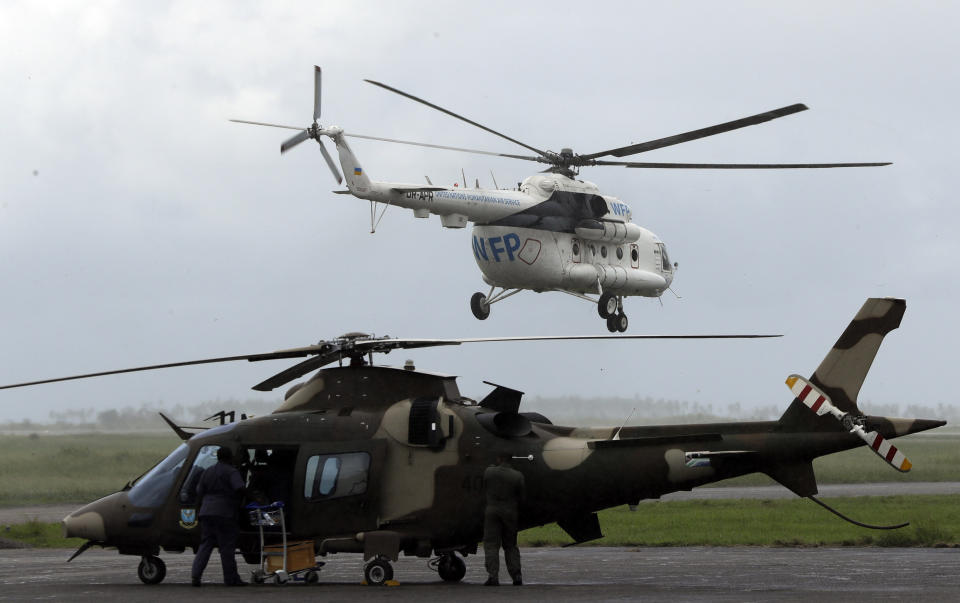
[(219, 492), (503, 486)]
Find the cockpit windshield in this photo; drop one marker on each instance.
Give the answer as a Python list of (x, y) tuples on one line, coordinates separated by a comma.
[(664, 258), (152, 489)]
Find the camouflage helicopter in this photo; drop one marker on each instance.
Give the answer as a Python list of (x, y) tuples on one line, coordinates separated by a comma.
[(554, 231), (382, 461)]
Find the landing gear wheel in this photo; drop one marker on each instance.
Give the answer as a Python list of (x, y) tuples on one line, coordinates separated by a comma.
[(257, 576), (479, 306), (378, 572), (152, 570), (621, 322), (607, 305), (612, 323), (451, 568), (311, 577)]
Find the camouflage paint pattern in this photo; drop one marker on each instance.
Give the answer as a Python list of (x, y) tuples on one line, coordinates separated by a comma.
[(423, 487)]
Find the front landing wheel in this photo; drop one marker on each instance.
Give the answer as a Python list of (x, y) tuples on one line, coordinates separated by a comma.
[(152, 570), (607, 305), (378, 572), (479, 306)]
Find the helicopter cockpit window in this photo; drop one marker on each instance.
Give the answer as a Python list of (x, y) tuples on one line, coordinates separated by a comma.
[(152, 488), (205, 458), (664, 259), (336, 475)]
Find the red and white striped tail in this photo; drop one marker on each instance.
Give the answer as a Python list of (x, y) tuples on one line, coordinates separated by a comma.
[(815, 399), (885, 450), (820, 403)]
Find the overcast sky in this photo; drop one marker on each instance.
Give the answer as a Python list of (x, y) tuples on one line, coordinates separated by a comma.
[(139, 226)]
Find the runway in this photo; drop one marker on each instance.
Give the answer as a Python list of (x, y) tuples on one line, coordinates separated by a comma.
[(558, 574), (567, 574)]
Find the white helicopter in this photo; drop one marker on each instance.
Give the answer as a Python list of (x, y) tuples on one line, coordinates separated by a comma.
[(554, 232)]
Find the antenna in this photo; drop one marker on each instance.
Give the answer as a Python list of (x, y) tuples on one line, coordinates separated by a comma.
[(495, 185), (464, 175), (616, 436)]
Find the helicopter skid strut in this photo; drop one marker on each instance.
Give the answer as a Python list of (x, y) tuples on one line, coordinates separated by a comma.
[(480, 303)]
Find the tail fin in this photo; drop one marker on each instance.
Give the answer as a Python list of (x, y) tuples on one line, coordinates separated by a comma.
[(356, 176), (843, 370)]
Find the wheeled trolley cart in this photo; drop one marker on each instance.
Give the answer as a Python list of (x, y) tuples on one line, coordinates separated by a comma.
[(284, 561)]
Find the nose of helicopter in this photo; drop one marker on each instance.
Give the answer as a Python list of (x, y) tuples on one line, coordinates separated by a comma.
[(90, 521), (84, 524)]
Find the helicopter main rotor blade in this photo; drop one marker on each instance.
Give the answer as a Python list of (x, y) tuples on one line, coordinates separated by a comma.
[(261, 123), (753, 120), (444, 147), (361, 347), (422, 343), (296, 371), (292, 353), (330, 351), (735, 166), (460, 117)]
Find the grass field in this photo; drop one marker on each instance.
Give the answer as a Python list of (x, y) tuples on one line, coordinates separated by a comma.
[(81, 468), (74, 468), (934, 521)]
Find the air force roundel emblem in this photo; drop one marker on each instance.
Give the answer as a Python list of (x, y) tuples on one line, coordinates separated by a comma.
[(188, 518)]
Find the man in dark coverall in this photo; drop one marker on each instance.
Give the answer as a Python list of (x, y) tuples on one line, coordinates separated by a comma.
[(503, 486), (219, 492)]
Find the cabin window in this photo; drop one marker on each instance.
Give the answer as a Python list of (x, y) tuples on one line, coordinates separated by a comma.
[(634, 255), (207, 457), (603, 250), (619, 253), (336, 475)]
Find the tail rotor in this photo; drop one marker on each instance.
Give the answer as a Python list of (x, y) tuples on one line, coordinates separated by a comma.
[(820, 403), (314, 131)]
